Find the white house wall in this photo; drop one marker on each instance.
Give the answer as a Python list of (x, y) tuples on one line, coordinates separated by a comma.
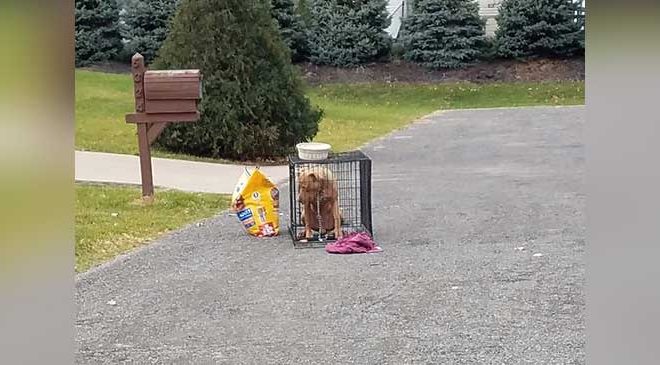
[(395, 9), (487, 9)]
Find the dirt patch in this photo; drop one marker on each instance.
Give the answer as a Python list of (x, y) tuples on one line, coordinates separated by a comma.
[(496, 71)]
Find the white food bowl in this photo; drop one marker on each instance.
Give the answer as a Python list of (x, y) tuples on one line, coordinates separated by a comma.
[(313, 151)]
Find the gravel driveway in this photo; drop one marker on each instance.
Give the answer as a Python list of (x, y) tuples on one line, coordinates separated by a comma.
[(481, 217)]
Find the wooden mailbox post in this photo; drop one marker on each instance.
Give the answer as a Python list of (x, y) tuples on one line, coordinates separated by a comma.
[(161, 97)]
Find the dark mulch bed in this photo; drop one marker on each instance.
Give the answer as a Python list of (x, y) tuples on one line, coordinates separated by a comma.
[(398, 71), (494, 71)]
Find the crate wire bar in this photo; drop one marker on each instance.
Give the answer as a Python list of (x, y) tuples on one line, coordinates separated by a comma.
[(352, 173)]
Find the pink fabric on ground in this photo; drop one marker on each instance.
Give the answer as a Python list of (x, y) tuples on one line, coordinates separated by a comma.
[(353, 243)]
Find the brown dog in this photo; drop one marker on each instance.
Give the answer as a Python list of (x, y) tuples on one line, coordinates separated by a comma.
[(319, 187)]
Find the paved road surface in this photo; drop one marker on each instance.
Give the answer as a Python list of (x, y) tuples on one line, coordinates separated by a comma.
[(480, 214)]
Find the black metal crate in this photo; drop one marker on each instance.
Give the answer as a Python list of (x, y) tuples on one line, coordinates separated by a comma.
[(351, 173)]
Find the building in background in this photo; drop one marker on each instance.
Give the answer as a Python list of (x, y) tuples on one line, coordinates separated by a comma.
[(398, 9)]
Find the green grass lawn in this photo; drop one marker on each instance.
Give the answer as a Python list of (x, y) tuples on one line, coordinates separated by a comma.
[(111, 220), (102, 101), (354, 114)]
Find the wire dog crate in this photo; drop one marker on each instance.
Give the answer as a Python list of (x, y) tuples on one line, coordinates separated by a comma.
[(320, 189)]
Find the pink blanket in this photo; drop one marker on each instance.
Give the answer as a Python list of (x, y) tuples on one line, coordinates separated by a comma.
[(353, 243)]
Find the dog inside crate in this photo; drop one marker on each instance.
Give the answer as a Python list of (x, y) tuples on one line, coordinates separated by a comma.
[(329, 197)]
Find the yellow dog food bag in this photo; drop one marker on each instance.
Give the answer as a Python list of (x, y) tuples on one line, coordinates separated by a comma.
[(256, 202)]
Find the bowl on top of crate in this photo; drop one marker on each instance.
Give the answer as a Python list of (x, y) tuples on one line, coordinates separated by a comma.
[(327, 191), (313, 150)]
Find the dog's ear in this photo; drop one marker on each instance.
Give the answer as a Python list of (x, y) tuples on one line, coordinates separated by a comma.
[(313, 177)]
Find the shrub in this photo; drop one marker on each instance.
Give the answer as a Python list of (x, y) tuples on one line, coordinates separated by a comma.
[(146, 23), (253, 105), (443, 34), (490, 50), (543, 28), (97, 31), (348, 32), (292, 28), (397, 51)]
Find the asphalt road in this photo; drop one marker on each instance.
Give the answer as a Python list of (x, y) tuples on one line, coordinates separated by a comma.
[(481, 217)]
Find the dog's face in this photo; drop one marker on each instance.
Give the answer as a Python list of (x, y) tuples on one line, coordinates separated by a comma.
[(310, 184)]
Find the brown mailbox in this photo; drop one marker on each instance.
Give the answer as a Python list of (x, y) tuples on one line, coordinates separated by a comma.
[(161, 97), (172, 91)]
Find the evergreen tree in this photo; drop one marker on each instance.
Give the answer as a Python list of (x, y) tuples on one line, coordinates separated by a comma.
[(146, 23), (253, 104), (97, 31), (302, 8), (292, 28), (348, 32), (443, 34), (543, 28)]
